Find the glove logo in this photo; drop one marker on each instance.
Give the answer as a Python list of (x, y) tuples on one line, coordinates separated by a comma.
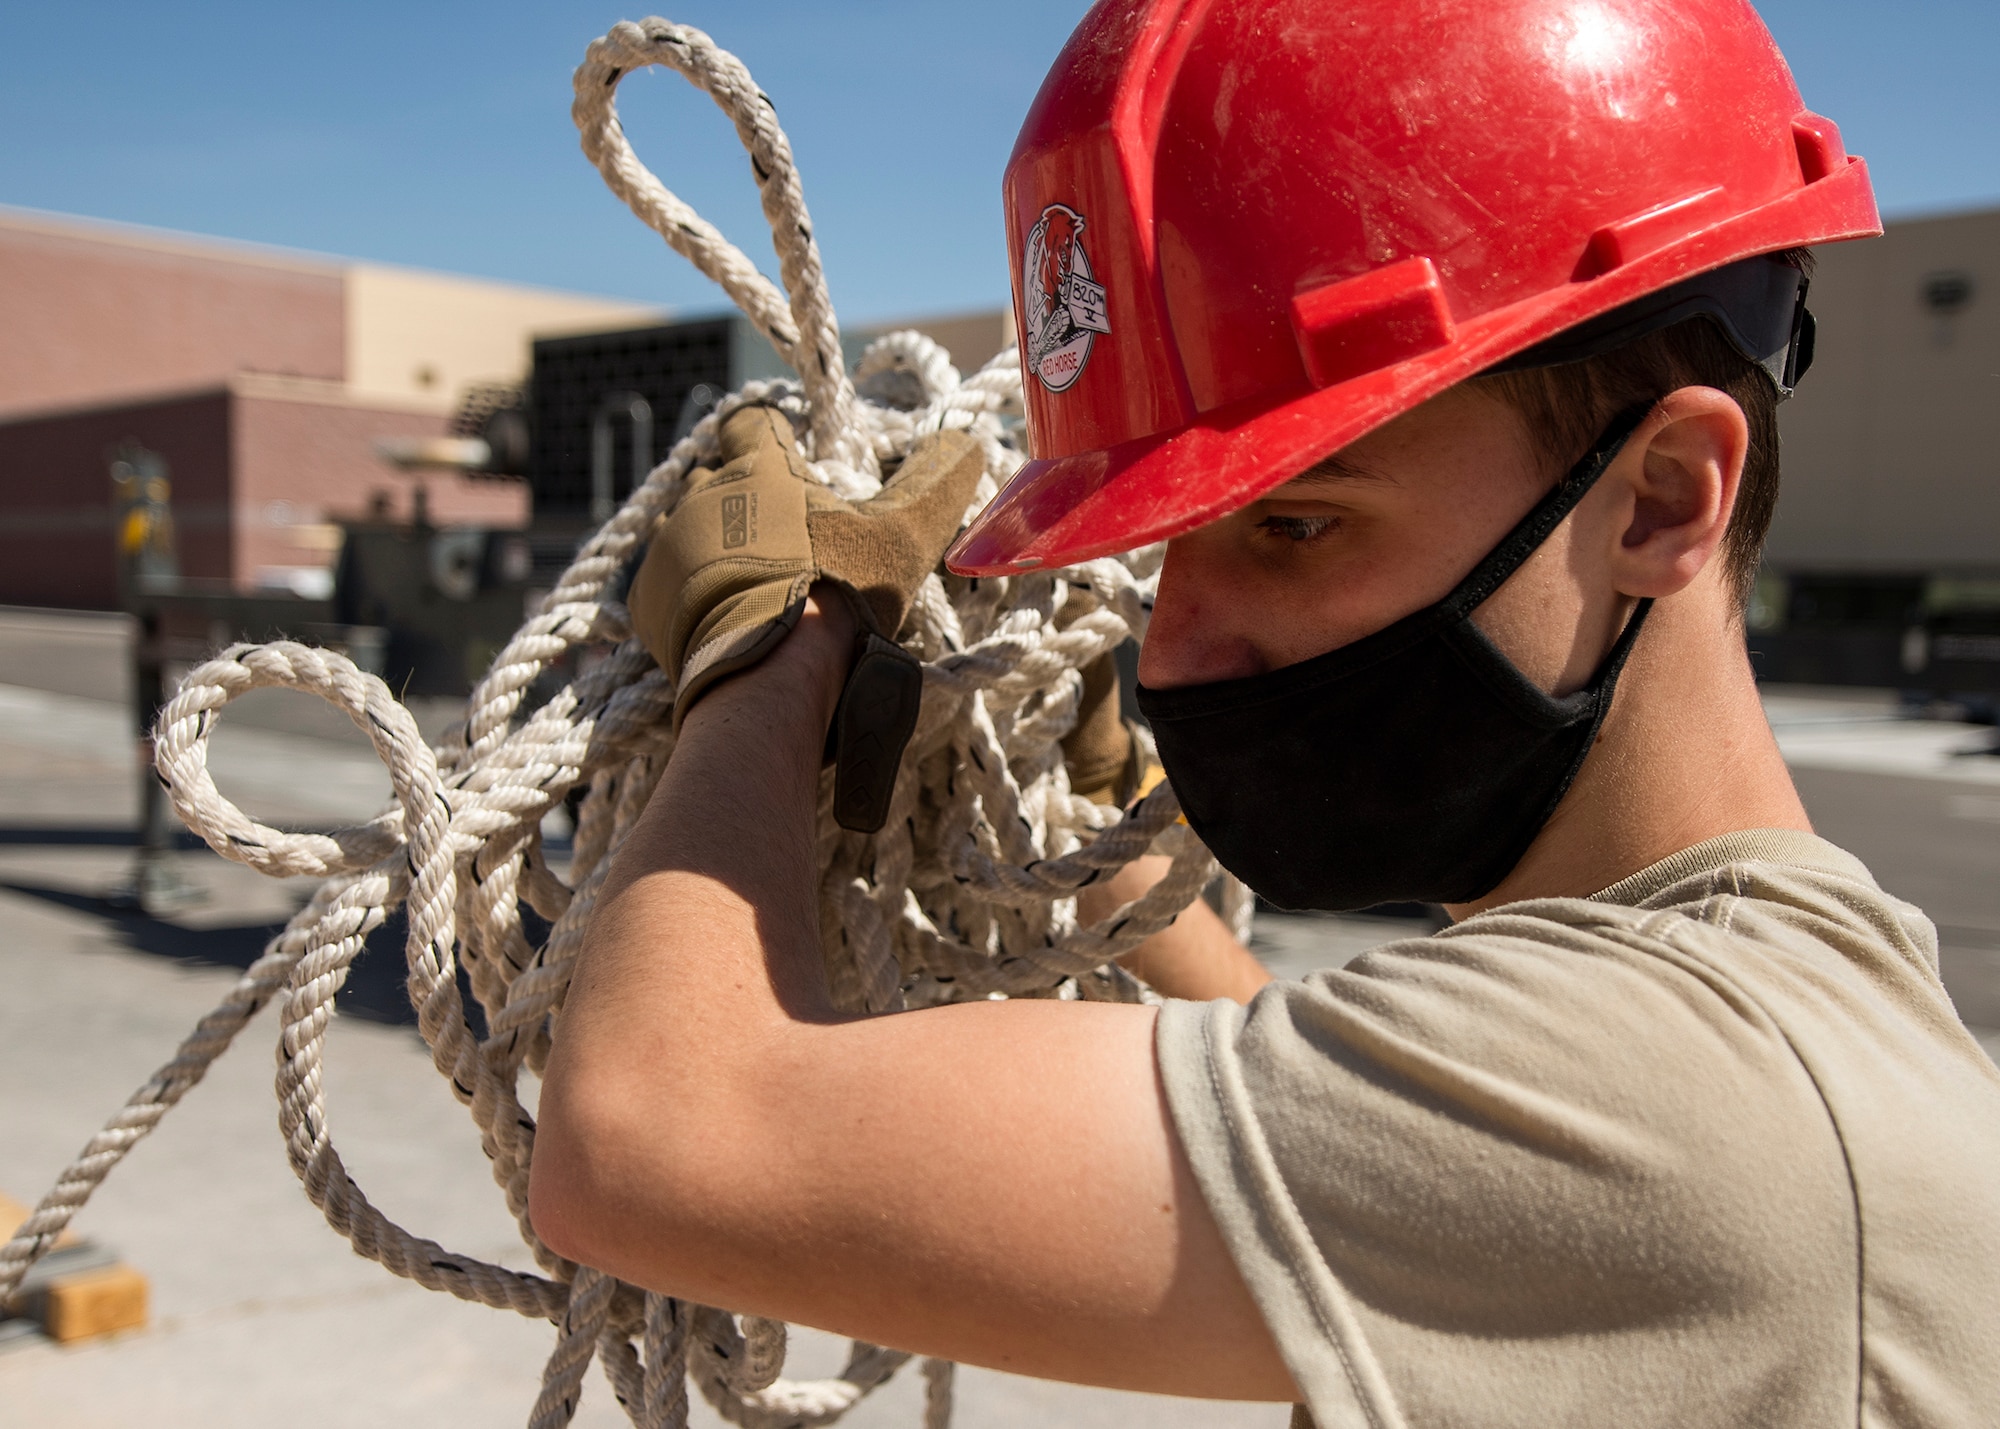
[(1066, 308), (736, 515)]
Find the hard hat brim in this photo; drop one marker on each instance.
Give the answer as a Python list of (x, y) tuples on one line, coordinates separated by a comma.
[(1063, 510)]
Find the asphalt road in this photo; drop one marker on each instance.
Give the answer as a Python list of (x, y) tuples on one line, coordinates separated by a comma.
[(262, 1315)]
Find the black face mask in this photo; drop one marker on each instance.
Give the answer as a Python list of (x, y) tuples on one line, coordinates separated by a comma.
[(1414, 765)]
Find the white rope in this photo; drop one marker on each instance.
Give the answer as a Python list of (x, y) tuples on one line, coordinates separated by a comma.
[(968, 891)]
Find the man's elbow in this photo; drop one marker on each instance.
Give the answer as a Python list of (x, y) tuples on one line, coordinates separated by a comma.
[(601, 1181), (618, 1188), (567, 1201)]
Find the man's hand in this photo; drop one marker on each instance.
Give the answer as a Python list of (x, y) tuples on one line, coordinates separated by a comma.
[(1105, 761), (1196, 956), (726, 575)]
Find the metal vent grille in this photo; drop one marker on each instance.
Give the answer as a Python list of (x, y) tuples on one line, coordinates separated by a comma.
[(573, 376)]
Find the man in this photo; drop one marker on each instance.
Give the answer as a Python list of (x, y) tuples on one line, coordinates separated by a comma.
[(1442, 343)]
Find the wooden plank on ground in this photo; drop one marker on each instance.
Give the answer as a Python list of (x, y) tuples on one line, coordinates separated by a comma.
[(94, 1302), (74, 1293)]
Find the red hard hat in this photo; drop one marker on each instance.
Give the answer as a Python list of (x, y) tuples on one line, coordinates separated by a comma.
[(1246, 232)]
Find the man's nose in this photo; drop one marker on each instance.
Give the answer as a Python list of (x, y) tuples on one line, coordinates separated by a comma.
[(1203, 627)]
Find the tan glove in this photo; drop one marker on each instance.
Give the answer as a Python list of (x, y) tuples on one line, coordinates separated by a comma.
[(725, 579), (1106, 762)]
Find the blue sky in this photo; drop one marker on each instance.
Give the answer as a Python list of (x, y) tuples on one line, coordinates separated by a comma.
[(437, 133)]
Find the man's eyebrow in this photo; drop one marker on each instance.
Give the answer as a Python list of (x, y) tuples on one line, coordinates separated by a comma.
[(1336, 468)]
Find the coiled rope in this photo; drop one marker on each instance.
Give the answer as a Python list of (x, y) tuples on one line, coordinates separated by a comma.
[(968, 891)]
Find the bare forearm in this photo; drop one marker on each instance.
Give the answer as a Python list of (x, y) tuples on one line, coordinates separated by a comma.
[(704, 941), (1195, 957), (726, 847), (723, 859)]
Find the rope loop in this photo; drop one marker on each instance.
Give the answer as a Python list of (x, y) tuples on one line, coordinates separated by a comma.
[(801, 324), (180, 758)]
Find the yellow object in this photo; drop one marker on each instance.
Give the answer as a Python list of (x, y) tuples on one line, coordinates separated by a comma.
[(94, 1302), (79, 1306), (137, 528)]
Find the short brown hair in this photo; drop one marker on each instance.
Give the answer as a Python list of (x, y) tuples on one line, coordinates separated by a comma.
[(1568, 406)]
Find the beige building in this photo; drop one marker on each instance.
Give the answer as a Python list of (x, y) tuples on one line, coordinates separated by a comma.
[(1892, 445), (265, 378), (422, 338)]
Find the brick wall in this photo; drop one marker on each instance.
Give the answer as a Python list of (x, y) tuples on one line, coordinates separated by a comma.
[(86, 318), (259, 468), (55, 496), (302, 461)]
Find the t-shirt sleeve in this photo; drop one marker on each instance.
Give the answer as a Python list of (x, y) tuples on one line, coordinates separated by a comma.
[(1556, 1176)]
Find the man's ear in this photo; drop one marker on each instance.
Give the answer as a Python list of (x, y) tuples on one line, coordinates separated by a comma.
[(1680, 473)]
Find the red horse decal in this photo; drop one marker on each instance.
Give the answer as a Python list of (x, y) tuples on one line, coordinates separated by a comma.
[(1063, 305), (1060, 227)]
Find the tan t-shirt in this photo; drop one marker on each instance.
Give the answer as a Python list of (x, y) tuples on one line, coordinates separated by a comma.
[(1708, 1149)]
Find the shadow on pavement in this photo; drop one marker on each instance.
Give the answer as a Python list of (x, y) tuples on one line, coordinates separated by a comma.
[(374, 988)]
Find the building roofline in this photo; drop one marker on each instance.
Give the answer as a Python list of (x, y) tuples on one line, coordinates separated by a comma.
[(148, 238), (1942, 213), (261, 386), (19, 219), (90, 406)]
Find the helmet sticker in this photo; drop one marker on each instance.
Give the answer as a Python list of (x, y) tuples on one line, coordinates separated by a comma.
[(1065, 307)]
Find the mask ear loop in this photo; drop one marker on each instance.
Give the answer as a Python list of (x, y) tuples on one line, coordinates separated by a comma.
[(1536, 527), (1543, 518), (1607, 673)]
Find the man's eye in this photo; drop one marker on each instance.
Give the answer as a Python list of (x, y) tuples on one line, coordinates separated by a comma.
[(1299, 528)]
